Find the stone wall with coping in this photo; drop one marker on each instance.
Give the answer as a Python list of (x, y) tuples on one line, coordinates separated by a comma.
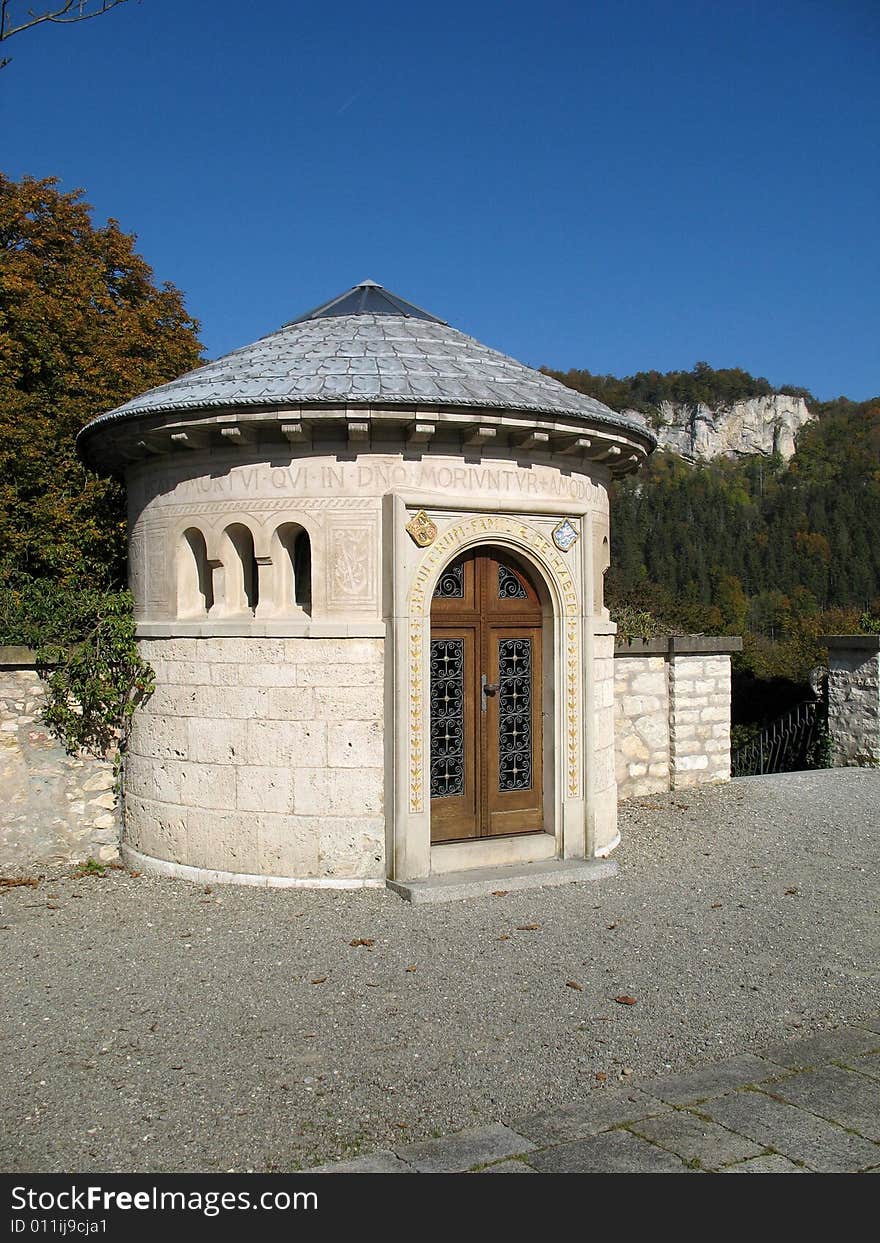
[(56, 808), (672, 713), (854, 699), (261, 756)]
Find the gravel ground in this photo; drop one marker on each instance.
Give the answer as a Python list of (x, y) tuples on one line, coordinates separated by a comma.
[(152, 1025)]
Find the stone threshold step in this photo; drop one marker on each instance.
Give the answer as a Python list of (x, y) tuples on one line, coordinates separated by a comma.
[(477, 882)]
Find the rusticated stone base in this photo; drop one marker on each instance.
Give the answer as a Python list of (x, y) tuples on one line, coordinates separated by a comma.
[(261, 757)]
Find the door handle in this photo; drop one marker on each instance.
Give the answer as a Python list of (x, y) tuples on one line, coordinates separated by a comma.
[(486, 688)]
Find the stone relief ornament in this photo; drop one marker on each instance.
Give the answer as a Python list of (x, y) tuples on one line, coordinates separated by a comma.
[(422, 530), (564, 535)]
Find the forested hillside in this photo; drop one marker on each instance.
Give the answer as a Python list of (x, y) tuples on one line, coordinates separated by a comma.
[(780, 553), (645, 390)]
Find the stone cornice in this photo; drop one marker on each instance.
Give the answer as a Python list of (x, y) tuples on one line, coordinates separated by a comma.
[(569, 440), (855, 642), (680, 645)]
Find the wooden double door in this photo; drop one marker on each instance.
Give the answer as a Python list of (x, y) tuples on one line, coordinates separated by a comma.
[(486, 701)]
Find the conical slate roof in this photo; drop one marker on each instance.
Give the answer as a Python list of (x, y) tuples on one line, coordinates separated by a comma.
[(366, 347)]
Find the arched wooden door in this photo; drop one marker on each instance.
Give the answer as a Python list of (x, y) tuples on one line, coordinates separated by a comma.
[(486, 692)]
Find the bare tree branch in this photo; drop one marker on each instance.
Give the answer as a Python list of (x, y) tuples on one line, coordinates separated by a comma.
[(60, 13)]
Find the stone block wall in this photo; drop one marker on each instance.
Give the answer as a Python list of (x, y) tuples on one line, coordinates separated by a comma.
[(641, 709), (854, 699), (263, 757), (672, 713), (55, 808)]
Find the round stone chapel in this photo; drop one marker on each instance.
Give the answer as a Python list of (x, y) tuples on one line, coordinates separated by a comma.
[(367, 557)]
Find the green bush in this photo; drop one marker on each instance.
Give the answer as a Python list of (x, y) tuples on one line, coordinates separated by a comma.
[(86, 652)]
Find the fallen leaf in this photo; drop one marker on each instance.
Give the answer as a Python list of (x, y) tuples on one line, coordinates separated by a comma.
[(623, 1000), (574, 984), (500, 893), (403, 1125), (320, 980), (134, 874), (527, 927), (362, 941), (10, 882), (601, 1076), (793, 892), (412, 968), (504, 937)]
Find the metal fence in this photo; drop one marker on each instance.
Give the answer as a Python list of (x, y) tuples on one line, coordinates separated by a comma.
[(790, 743)]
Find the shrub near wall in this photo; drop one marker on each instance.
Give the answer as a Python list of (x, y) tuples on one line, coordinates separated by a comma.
[(56, 808), (68, 690)]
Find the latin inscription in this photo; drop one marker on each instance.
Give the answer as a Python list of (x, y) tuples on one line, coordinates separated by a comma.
[(311, 478)]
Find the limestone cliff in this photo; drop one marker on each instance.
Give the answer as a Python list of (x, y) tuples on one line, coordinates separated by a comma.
[(754, 425)]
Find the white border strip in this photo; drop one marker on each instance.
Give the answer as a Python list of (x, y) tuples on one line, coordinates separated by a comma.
[(209, 876)]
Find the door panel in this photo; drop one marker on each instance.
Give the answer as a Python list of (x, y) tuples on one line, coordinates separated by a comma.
[(514, 790), (486, 701)]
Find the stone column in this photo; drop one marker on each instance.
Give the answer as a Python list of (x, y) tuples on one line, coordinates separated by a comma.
[(854, 699)]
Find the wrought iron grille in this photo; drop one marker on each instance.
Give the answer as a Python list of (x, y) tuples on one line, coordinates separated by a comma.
[(509, 585), (514, 714), (447, 717), (788, 745), (450, 584)]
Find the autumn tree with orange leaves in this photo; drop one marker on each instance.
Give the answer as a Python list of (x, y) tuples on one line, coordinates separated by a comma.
[(83, 327)]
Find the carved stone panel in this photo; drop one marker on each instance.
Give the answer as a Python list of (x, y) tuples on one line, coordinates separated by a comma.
[(352, 557)]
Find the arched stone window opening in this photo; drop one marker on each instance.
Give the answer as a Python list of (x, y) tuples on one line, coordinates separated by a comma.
[(242, 582), (601, 564), (293, 557), (195, 591)]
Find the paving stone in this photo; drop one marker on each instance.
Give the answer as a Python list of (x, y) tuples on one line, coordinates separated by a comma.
[(868, 1064), (824, 1047), (599, 1111), (372, 1163), (840, 1095), (824, 1147), (771, 1164), (456, 1153), (694, 1139), (507, 1167), (714, 1080), (613, 1152)]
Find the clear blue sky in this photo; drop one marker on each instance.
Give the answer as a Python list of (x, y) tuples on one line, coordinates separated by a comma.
[(614, 185)]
